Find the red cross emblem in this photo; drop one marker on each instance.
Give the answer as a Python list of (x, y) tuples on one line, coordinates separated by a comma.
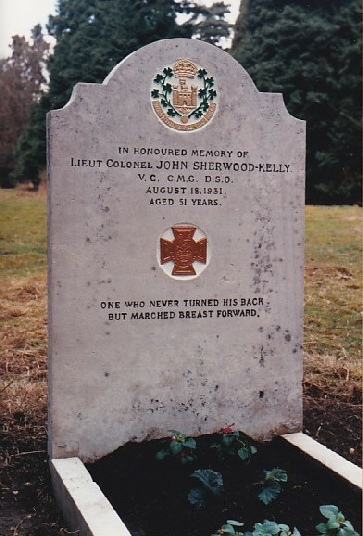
[(184, 250)]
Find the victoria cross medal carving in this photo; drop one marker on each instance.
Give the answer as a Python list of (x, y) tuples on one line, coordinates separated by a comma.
[(184, 96), (183, 251)]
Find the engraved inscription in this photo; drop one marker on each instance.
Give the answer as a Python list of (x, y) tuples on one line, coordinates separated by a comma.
[(222, 309), (183, 177)]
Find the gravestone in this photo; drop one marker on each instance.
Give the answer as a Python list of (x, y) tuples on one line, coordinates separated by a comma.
[(176, 203)]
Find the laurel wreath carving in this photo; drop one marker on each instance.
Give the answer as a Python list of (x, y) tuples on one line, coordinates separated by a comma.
[(206, 94)]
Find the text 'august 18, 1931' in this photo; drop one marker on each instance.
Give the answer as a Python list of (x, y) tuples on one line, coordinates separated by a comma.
[(179, 177)]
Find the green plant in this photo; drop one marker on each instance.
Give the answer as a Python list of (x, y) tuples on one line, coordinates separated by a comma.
[(233, 443), (336, 525), (270, 528), (228, 529), (212, 486), (266, 528), (272, 484), (180, 446)]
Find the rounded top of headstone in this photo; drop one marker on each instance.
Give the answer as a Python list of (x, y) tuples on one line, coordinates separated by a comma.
[(184, 54), (187, 84)]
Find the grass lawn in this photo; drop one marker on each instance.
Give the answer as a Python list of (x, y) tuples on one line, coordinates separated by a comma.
[(333, 294)]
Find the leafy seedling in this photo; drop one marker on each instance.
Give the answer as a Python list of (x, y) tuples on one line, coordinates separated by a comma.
[(270, 528), (228, 529), (179, 446), (233, 443), (336, 525), (211, 486), (271, 485)]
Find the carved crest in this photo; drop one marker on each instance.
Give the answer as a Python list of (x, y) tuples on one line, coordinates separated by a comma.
[(184, 96)]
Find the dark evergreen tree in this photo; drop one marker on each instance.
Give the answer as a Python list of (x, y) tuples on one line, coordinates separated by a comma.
[(311, 52), (207, 23), (94, 35)]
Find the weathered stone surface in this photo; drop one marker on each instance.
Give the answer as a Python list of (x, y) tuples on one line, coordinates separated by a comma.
[(176, 256)]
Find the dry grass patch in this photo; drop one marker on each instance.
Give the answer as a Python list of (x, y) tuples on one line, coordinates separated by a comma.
[(333, 290), (25, 485), (333, 328), (23, 365)]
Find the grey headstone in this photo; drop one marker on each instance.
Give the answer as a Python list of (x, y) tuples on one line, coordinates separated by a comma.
[(176, 254)]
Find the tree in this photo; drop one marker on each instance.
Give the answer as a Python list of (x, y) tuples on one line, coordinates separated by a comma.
[(207, 23), (311, 52), (92, 36), (21, 82), (31, 146)]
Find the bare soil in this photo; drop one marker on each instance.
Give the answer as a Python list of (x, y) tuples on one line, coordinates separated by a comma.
[(26, 504), (151, 496), (27, 507)]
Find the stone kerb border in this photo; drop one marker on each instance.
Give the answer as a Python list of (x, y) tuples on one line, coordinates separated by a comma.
[(331, 460), (86, 509)]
